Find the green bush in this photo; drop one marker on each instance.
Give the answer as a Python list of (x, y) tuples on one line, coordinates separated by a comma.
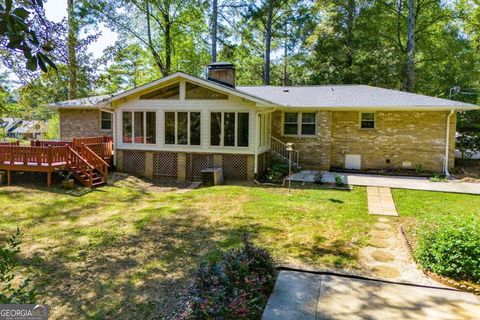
[(451, 249), (12, 290)]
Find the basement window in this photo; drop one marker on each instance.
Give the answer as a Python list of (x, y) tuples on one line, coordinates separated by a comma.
[(367, 120)]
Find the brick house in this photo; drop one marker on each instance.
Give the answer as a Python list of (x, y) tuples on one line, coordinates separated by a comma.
[(174, 127)]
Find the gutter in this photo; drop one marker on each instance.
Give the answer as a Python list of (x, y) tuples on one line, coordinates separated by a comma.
[(447, 143)]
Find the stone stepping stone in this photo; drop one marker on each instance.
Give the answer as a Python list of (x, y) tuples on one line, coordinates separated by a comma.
[(384, 220), (386, 271), (380, 243), (382, 226), (380, 234), (382, 255)]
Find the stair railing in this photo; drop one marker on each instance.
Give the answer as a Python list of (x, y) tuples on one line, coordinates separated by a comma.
[(95, 160), (280, 149), (77, 161)]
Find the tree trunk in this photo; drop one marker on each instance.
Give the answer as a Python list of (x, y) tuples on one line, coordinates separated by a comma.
[(72, 58), (168, 45), (348, 74), (268, 42), (214, 30), (156, 56), (410, 83)]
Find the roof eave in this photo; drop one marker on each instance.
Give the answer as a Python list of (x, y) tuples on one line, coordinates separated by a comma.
[(387, 108)]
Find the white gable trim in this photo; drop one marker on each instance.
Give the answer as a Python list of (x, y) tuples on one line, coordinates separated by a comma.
[(205, 83)]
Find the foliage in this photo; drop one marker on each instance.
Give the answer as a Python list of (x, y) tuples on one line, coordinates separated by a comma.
[(339, 180), (418, 168), (12, 290), (437, 178), (277, 171), (53, 128), (451, 248), (318, 178), (235, 287), (468, 139), (65, 175)]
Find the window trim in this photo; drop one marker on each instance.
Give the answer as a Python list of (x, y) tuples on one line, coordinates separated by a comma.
[(360, 113), (101, 121), (176, 128), (144, 123), (299, 124), (222, 130)]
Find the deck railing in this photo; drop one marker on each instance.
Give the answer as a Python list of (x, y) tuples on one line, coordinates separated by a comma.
[(42, 143), (75, 160), (32, 155), (15, 143), (77, 142), (280, 149)]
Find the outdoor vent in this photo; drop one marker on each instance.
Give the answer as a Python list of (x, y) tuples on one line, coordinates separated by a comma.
[(222, 73)]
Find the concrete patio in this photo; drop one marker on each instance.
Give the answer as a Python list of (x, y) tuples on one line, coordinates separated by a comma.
[(309, 296), (399, 182)]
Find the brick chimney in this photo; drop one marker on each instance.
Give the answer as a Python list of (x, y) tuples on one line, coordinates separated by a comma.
[(223, 73)]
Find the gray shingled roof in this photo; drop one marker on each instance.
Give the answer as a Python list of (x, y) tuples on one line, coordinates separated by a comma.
[(88, 102), (347, 96)]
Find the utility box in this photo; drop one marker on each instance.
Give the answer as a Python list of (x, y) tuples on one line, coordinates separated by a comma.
[(212, 176)]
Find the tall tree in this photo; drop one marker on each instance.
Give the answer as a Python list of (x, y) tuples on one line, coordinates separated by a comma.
[(411, 29), (72, 45), (214, 31)]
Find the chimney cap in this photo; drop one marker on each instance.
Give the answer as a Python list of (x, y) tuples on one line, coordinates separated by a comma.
[(222, 65)]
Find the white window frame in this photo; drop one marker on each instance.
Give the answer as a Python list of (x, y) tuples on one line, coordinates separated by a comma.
[(222, 130), (299, 124), (360, 120), (176, 128), (101, 121), (144, 127)]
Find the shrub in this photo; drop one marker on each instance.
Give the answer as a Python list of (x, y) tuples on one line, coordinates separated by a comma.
[(339, 180), (318, 178), (11, 289), (451, 249), (235, 287)]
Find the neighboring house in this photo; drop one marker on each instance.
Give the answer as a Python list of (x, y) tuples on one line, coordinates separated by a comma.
[(176, 126), (7, 125), (30, 130)]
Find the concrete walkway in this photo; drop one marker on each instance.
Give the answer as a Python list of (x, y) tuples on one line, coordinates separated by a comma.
[(416, 183), (306, 296), (380, 201)]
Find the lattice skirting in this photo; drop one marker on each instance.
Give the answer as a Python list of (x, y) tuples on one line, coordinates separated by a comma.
[(196, 162), (235, 166), (134, 162), (165, 166)]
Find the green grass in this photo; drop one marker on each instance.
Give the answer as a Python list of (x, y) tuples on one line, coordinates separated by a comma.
[(124, 251)]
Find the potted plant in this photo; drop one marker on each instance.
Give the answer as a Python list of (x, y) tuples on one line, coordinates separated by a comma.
[(67, 180)]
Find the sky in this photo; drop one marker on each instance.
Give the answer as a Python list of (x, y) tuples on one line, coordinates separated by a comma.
[(56, 10)]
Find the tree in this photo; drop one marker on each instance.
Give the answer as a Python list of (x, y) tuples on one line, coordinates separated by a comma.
[(411, 29), (72, 46)]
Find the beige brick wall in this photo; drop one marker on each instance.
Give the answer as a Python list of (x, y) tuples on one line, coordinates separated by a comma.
[(314, 151), (80, 123), (416, 137)]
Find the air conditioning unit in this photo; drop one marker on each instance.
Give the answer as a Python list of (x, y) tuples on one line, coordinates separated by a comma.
[(212, 176)]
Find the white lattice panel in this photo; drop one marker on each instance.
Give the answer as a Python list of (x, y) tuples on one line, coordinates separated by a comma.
[(165, 166)]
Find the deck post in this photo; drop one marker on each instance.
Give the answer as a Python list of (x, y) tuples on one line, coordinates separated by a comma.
[(49, 179), (9, 177)]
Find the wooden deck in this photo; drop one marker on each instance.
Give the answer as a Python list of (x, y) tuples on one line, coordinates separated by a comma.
[(87, 158)]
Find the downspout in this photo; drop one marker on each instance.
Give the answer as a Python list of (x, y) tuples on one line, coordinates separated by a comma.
[(447, 144)]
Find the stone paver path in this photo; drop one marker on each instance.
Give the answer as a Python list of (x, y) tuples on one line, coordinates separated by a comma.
[(380, 201)]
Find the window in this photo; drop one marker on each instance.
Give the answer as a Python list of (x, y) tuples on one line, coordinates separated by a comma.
[(127, 127), (182, 128), (193, 91), (229, 129), (299, 123), (139, 127), (367, 120), (168, 92), (106, 121)]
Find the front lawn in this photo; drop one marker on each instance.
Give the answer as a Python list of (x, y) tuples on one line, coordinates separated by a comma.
[(125, 251)]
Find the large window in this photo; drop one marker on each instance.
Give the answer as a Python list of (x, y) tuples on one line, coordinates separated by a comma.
[(299, 123), (367, 120), (182, 128), (168, 92), (139, 127), (229, 129), (106, 121), (193, 91)]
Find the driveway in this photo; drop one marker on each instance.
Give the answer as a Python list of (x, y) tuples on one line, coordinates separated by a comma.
[(311, 296), (416, 183)]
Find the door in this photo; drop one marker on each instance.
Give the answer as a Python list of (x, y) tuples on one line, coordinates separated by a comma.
[(353, 161)]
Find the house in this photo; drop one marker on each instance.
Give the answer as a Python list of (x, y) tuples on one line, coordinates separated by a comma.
[(174, 127), (7, 125), (29, 130)]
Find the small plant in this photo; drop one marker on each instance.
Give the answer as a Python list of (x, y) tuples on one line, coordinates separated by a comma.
[(12, 289), (418, 169), (339, 180), (67, 180), (236, 286), (438, 178), (318, 178), (451, 249)]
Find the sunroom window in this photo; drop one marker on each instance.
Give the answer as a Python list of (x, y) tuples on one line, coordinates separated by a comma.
[(229, 129), (182, 128), (139, 127), (299, 123)]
